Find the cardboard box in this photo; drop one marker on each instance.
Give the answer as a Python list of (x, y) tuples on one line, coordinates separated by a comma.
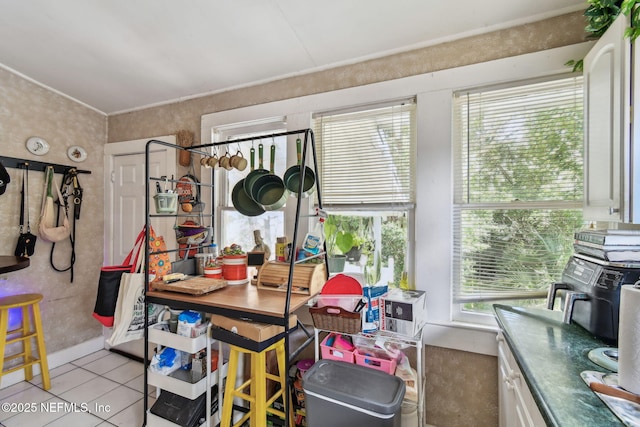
[(253, 330), (372, 310), (403, 311)]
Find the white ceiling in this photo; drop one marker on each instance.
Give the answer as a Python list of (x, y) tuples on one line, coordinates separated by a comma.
[(119, 55)]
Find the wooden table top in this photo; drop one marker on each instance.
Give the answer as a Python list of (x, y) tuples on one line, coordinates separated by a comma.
[(245, 298)]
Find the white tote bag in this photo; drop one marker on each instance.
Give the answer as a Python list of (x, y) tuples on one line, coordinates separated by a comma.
[(128, 319)]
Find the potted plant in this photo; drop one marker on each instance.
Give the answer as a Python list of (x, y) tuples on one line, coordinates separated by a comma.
[(600, 15), (338, 242)]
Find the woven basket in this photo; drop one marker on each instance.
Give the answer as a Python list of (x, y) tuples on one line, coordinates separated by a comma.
[(336, 319)]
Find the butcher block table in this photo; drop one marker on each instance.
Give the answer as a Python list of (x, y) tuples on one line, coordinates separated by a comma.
[(245, 301)]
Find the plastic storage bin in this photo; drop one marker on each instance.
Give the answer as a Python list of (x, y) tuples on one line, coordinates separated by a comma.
[(166, 203), (340, 394), (384, 365), (333, 352)]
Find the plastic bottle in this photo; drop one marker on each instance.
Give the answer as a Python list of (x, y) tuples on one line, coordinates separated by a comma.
[(213, 250), (314, 239)]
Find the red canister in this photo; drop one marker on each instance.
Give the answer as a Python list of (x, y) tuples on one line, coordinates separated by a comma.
[(234, 269)]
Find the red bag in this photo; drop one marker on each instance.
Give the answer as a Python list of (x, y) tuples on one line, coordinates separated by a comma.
[(109, 282)]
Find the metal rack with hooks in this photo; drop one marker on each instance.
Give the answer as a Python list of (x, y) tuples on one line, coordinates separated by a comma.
[(34, 165), (214, 304)]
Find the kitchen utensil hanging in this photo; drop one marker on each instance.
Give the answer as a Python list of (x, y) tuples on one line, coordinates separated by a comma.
[(185, 140), (293, 175), (188, 190), (269, 189), (239, 196), (256, 173)]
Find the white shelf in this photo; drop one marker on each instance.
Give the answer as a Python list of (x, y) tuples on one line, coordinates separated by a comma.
[(169, 339), (176, 385), (155, 421)]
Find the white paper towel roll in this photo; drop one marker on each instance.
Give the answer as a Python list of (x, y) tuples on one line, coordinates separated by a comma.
[(629, 339)]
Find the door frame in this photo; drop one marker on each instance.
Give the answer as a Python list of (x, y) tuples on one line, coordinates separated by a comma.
[(111, 150)]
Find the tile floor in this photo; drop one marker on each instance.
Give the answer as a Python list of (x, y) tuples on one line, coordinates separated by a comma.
[(101, 389)]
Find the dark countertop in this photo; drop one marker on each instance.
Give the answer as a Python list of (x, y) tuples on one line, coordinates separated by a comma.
[(12, 263), (551, 355)]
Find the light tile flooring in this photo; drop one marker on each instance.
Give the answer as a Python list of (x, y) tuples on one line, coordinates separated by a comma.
[(101, 389)]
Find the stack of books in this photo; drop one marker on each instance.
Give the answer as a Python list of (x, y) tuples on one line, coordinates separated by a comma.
[(609, 245)]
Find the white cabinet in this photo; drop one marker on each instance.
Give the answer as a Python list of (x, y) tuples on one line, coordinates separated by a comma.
[(609, 134), (517, 407)]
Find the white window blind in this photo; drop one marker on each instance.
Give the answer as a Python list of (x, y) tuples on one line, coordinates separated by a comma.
[(518, 188), (367, 157)]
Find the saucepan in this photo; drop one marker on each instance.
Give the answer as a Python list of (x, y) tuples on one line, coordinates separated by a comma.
[(241, 199), (294, 173), (255, 173), (269, 189)]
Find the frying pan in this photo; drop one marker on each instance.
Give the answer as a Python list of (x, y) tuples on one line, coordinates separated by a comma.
[(268, 189), (241, 200), (292, 176), (255, 173)]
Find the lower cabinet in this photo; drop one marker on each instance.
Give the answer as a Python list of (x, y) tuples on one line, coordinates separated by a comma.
[(517, 407)]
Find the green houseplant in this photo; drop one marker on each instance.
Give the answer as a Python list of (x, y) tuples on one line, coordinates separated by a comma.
[(338, 242)]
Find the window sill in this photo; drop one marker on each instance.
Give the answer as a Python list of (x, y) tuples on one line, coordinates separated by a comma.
[(461, 336)]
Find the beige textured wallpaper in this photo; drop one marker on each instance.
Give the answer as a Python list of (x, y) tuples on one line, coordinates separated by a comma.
[(29, 110)]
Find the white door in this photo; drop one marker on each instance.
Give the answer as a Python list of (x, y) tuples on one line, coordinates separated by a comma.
[(125, 190), (124, 205)]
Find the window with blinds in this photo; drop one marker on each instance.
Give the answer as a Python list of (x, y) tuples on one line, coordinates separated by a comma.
[(518, 189), (366, 161), (368, 156)]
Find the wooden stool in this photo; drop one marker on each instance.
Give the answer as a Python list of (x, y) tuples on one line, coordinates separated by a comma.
[(24, 333), (259, 403)]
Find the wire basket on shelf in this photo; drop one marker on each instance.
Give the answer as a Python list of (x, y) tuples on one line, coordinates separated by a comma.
[(191, 234), (336, 319)]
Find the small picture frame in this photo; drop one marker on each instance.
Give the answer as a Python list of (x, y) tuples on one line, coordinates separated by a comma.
[(255, 259)]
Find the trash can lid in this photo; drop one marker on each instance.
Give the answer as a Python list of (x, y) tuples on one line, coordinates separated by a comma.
[(356, 385)]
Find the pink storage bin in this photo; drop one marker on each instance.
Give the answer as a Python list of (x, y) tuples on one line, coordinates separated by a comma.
[(334, 353), (384, 365)]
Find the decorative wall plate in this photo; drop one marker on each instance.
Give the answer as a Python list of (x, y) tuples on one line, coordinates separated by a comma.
[(77, 153), (37, 146)]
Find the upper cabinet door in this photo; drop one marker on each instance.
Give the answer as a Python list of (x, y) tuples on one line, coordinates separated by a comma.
[(607, 78)]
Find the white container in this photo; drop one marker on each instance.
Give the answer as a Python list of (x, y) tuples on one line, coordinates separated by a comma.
[(201, 261), (409, 414), (346, 302)]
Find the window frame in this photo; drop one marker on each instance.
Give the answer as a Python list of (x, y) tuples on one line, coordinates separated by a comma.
[(461, 204)]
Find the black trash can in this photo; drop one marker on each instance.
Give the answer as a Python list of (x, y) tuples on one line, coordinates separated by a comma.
[(340, 394)]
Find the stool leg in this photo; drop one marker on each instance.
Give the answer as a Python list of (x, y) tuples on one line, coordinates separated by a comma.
[(42, 351), (4, 324), (281, 358), (259, 388), (227, 401), (25, 330)]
